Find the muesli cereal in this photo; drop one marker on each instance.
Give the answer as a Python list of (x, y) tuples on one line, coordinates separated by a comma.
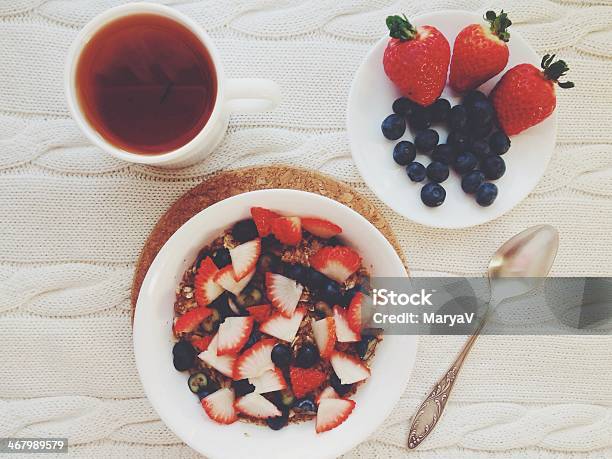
[(268, 323)]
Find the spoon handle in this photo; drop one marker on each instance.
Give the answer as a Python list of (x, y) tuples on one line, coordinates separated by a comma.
[(428, 414)]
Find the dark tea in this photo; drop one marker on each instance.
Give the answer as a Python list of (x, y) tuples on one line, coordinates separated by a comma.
[(146, 83)]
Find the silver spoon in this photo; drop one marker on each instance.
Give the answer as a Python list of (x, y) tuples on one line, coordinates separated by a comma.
[(517, 267)]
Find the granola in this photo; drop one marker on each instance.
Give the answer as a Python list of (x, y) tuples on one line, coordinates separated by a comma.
[(281, 342)]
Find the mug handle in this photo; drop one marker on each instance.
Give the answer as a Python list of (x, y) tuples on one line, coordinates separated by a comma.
[(251, 95)]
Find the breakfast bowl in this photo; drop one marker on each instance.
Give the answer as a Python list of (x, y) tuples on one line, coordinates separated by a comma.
[(167, 388), (370, 101)]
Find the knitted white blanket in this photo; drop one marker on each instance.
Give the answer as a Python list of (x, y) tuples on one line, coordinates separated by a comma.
[(72, 222)]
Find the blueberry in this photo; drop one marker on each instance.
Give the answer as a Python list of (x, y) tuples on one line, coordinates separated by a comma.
[(182, 362), (420, 118), (269, 242), (244, 231), (334, 241), (222, 306), (315, 280), (404, 152), (278, 422), (499, 143), (393, 127), (307, 355), (183, 355), (437, 171), (471, 181), (203, 394), (331, 292), (341, 389), (486, 194), (183, 348), (444, 153), (306, 406), (403, 106), (197, 382), (242, 387), (480, 131), (480, 148), (296, 272), (281, 355), (211, 324), (416, 172), (213, 386), (473, 96), (221, 257), (493, 167), (361, 347), (439, 110), (268, 262), (458, 140), (481, 112), (250, 296), (426, 140), (350, 293), (457, 118), (254, 337), (433, 195), (465, 162)]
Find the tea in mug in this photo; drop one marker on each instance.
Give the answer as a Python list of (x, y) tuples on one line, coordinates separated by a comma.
[(146, 83)]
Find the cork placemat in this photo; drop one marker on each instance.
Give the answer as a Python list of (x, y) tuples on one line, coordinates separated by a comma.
[(229, 183)]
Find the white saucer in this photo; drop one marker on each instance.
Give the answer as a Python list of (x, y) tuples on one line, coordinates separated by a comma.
[(370, 100)]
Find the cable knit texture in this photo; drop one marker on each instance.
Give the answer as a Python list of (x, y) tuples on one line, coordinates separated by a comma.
[(72, 222)]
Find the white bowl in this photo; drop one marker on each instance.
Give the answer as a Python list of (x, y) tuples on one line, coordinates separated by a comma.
[(167, 389), (370, 100)]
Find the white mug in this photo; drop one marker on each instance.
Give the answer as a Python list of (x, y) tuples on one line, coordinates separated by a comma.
[(234, 95)]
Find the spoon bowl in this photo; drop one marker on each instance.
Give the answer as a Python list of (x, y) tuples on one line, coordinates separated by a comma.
[(522, 263)]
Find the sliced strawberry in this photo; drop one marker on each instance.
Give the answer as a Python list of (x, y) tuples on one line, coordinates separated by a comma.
[(201, 344), (332, 412), (189, 321), (320, 227), (348, 368), (283, 328), (283, 293), (255, 360), (233, 334), (324, 332), (269, 381), (206, 289), (224, 364), (257, 406), (353, 313), (344, 333), (260, 312), (263, 219), (244, 258), (288, 230), (328, 392), (337, 263), (225, 278), (219, 406), (305, 380)]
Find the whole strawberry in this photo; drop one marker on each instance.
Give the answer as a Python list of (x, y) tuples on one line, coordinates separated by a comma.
[(480, 52), (416, 60), (525, 96)]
